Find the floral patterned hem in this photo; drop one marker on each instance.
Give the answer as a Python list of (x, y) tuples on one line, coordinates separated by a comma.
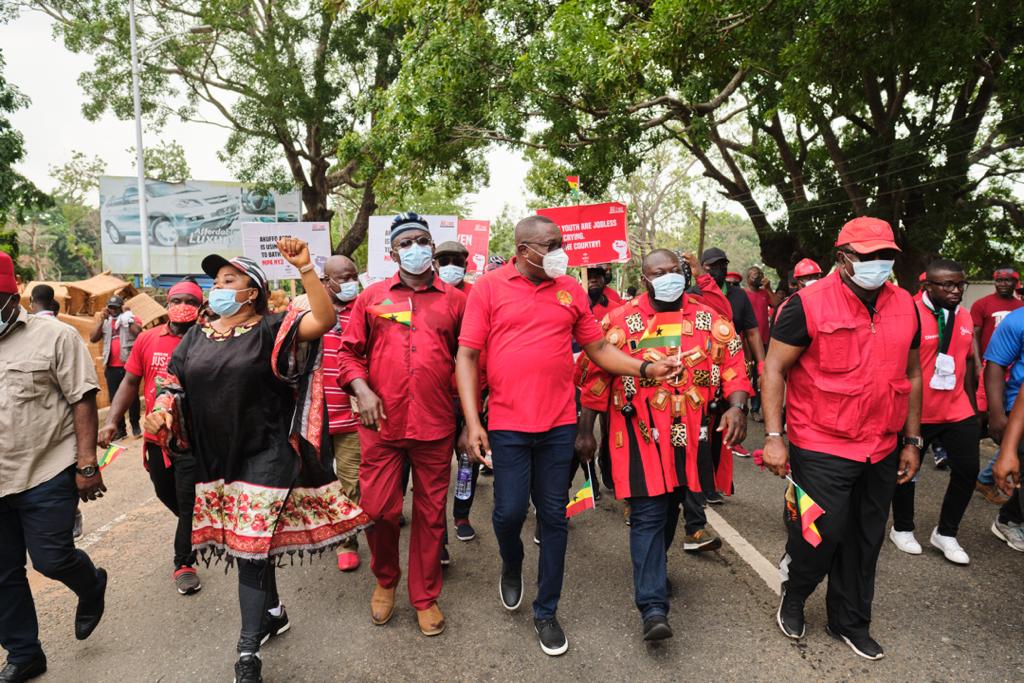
[(253, 522)]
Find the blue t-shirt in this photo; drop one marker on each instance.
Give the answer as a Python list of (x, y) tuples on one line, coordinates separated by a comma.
[(1007, 348)]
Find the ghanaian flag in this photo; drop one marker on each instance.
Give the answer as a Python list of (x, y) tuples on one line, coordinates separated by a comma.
[(665, 329), (399, 313)]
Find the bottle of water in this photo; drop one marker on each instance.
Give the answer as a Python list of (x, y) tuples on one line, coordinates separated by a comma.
[(464, 478)]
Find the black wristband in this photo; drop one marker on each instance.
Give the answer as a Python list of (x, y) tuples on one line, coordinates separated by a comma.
[(643, 368)]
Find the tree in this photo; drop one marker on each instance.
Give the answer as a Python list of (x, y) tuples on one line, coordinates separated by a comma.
[(164, 161), (803, 112), (299, 81)]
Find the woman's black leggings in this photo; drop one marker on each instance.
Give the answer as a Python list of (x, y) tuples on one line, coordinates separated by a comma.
[(257, 593)]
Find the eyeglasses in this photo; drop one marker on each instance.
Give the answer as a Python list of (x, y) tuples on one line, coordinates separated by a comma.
[(332, 283), (422, 240), (548, 246), (950, 286)]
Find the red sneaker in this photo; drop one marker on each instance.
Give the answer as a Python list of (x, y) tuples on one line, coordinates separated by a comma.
[(740, 452), (348, 560)]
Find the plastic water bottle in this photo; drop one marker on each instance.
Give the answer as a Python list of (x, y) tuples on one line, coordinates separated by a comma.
[(464, 478)]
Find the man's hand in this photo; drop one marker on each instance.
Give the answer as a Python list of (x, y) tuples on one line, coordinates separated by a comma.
[(477, 444), (90, 488), (105, 435), (371, 409), (910, 462), (294, 251), (585, 446), (462, 442), (776, 456), (734, 424), (1006, 471), (694, 264), (664, 368), (996, 426), (154, 422)]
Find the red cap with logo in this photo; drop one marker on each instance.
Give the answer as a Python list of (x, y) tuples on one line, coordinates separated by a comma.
[(8, 285), (806, 267), (1005, 273), (865, 235)]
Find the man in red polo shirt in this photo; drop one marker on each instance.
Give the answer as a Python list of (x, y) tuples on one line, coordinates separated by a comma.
[(844, 354), (602, 297), (525, 316), (397, 356), (948, 378), (173, 482), (986, 314)]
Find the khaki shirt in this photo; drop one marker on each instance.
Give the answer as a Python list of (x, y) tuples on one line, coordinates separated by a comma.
[(44, 368)]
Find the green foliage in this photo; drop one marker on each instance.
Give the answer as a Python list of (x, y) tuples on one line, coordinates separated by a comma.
[(164, 161)]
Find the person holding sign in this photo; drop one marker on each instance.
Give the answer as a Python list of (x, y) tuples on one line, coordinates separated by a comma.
[(397, 356), (525, 316), (662, 425), (245, 396)]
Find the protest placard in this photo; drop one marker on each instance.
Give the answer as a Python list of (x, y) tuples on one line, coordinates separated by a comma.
[(259, 242), (592, 233)]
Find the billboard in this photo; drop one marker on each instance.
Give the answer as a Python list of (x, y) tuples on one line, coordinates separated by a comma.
[(378, 250), (187, 221)]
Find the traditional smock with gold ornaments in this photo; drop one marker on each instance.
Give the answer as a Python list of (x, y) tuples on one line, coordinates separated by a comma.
[(655, 426)]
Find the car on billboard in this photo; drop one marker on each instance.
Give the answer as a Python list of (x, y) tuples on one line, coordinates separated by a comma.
[(179, 213), (256, 201)]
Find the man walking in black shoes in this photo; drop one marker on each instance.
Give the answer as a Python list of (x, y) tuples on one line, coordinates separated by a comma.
[(48, 461)]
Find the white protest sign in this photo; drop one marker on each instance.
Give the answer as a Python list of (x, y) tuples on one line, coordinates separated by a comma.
[(378, 251), (259, 242)]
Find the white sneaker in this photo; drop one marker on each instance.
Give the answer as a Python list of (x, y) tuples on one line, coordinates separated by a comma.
[(905, 541), (950, 547), (1012, 533)]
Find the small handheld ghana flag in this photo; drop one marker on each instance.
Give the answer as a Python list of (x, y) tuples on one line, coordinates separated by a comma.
[(399, 313), (583, 500), (665, 329), (574, 183), (109, 455), (809, 512)]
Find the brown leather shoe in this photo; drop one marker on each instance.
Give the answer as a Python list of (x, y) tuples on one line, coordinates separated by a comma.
[(382, 604), (431, 620)]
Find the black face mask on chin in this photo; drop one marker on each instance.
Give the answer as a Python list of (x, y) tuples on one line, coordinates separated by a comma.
[(717, 274)]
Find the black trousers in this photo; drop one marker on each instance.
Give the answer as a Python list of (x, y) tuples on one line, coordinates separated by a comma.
[(855, 497), (114, 377), (175, 486), (961, 442), (257, 593)]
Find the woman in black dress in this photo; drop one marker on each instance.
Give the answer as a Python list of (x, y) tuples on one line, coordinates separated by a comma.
[(248, 402)]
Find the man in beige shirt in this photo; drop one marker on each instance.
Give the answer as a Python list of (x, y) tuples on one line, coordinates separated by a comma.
[(48, 461)]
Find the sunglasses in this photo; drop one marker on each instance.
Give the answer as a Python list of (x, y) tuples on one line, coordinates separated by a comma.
[(422, 240)]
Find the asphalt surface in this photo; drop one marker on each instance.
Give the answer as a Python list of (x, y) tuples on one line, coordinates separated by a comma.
[(937, 621)]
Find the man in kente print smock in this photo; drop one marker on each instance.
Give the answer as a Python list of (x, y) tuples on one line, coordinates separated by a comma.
[(657, 430)]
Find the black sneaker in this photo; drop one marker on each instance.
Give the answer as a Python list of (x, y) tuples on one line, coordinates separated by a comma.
[(510, 588), (863, 646), (790, 616), (274, 626), (16, 673), (136, 431), (715, 498), (552, 639), (657, 628), (464, 531), (446, 559), (249, 669)]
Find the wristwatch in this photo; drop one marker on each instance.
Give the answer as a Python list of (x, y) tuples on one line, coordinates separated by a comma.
[(88, 471), (916, 441)]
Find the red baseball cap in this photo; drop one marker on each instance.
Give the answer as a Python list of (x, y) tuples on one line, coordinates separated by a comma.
[(8, 285), (922, 277), (733, 276), (806, 267), (1006, 272), (865, 235)]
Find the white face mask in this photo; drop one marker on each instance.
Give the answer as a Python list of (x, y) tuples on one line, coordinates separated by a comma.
[(555, 263), (871, 274), (452, 275), (349, 290), (669, 287)]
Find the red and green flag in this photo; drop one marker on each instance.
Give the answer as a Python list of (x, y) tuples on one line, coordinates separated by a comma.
[(583, 500), (809, 512), (109, 455), (665, 329), (574, 183), (399, 313)]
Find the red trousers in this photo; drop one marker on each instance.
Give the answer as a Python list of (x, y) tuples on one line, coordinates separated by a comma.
[(380, 485)]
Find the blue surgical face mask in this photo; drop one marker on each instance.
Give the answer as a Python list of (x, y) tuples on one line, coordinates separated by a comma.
[(349, 290), (416, 259), (223, 303), (451, 274), (669, 287), (871, 274)]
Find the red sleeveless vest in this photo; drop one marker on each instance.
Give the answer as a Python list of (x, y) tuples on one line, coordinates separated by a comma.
[(848, 394)]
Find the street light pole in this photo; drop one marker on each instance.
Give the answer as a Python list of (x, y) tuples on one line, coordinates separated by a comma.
[(139, 152)]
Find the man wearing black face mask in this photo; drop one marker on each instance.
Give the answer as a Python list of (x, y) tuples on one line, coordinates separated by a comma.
[(174, 483)]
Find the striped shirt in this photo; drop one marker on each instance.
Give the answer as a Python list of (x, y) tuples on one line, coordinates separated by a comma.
[(339, 407)]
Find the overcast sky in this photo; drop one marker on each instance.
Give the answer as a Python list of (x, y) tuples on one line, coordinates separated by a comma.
[(53, 124)]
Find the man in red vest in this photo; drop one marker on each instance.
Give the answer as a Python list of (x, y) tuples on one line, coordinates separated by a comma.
[(844, 353), (948, 412)]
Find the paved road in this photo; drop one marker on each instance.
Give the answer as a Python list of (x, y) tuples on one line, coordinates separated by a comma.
[(938, 622)]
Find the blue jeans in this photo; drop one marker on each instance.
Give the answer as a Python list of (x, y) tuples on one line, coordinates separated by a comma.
[(653, 522), (38, 521), (539, 464), (985, 476)]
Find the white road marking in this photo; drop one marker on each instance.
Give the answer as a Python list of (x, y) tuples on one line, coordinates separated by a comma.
[(768, 572), (94, 537)]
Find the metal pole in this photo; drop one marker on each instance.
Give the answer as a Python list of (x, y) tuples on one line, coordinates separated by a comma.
[(139, 152)]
